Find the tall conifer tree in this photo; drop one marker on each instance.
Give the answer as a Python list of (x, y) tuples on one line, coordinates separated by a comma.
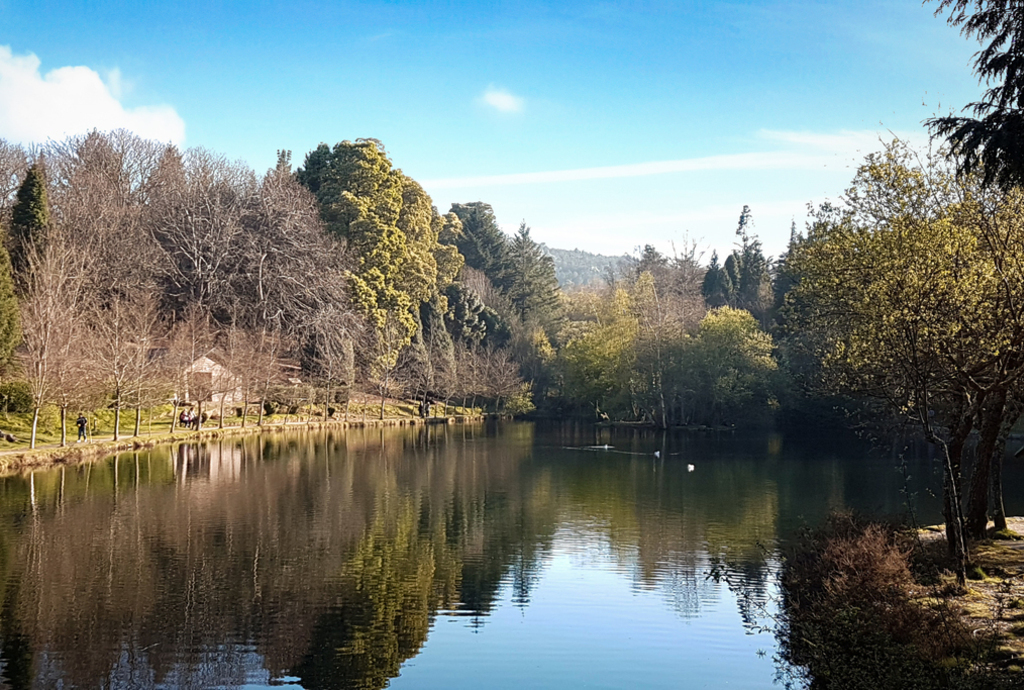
[(29, 218)]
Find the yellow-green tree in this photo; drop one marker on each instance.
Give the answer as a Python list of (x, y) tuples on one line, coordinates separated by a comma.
[(598, 358), (392, 229), (729, 365), (912, 293)]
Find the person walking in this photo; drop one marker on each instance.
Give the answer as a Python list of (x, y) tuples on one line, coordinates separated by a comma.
[(81, 423)]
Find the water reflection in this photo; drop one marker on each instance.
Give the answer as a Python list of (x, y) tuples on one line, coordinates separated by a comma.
[(325, 559)]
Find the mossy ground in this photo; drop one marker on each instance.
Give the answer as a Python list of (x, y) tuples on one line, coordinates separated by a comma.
[(992, 605)]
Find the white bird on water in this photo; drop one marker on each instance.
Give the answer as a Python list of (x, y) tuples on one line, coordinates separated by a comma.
[(689, 468), (657, 454)]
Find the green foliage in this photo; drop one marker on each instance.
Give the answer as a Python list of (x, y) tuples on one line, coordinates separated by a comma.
[(465, 315), (717, 287), (30, 217), (597, 362), (900, 292), (992, 142), (533, 288), (730, 366), (392, 227), (744, 280), (630, 356), (482, 242), (520, 402), (15, 396), (10, 318)]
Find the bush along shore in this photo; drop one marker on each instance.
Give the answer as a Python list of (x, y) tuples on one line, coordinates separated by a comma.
[(156, 429), (868, 605)]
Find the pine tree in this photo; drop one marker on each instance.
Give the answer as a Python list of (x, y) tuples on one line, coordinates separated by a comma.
[(533, 288), (992, 142), (717, 286), (752, 279), (30, 217), (482, 242)]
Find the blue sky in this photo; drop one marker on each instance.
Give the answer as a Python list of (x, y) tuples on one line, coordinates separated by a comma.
[(605, 125)]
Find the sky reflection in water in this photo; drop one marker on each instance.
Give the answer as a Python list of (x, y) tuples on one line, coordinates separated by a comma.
[(441, 558)]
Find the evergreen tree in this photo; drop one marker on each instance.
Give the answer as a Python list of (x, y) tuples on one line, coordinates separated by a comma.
[(482, 242), (731, 270), (30, 218), (10, 322), (785, 277), (752, 278), (717, 286), (465, 315), (991, 142), (533, 288)]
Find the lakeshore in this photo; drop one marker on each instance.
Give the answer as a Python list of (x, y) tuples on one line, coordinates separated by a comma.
[(44, 456)]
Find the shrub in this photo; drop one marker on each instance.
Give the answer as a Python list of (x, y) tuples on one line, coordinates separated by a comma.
[(269, 408), (16, 396), (848, 620)]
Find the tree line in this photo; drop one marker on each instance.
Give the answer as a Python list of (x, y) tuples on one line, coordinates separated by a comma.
[(129, 260), (125, 261)]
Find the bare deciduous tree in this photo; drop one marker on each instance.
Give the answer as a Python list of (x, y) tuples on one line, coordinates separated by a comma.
[(50, 309)]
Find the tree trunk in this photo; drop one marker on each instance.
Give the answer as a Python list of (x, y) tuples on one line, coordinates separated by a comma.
[(35, 425), (998, 453), (382, 399), (63, 426), (117, 419), (998, 509), (977, 500), (220, 422), (174, 415), (138, 420), (951, 491)]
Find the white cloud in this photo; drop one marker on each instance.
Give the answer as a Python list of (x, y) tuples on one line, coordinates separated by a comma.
[(502, 100), (804, 151), (72, 100)]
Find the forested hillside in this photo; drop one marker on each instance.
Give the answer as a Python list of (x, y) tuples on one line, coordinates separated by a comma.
[(577, 268)]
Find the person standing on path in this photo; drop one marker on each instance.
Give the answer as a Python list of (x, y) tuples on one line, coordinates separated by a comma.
[(81, 423)]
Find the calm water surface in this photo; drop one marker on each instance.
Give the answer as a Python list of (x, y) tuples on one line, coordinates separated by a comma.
[(506, 556)]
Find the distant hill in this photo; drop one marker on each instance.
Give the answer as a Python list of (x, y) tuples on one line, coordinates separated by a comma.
[(574, 267)]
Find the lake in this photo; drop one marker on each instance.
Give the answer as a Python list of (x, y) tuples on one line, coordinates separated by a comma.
[(467, 556)]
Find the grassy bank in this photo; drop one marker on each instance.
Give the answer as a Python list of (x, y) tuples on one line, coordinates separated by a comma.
[(155, 429)]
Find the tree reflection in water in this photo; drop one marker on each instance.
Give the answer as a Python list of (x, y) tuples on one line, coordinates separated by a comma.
[(326, 557)]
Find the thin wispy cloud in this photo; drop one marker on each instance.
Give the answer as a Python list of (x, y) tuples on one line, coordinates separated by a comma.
[(72, 100), (502, 100), (804, 151)]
